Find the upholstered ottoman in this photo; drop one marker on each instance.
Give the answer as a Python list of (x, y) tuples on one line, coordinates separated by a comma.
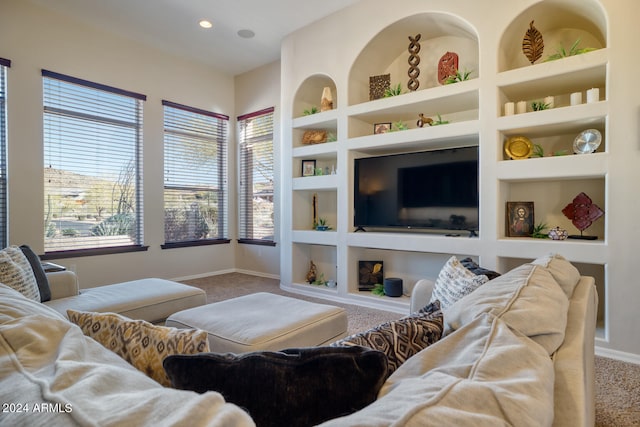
[(264, 321)]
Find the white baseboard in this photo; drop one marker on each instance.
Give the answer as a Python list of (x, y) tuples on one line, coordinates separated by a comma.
[(230, 270), (618, 355)]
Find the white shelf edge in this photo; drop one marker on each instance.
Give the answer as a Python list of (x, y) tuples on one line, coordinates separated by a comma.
[(463, 94), (312, 237), (413, 242), (551, 168), (543, 70), (327, 149), (443, 136), (590, 252), (318, 120), (322, 182), (542, 122)]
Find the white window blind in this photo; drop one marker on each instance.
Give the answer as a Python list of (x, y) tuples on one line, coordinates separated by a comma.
[(256, 223), (4, 64), (195, 176), (93, 167)]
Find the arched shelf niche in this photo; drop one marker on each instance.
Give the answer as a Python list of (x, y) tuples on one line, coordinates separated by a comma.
[(561, 23), (387, 52), (309, 94)]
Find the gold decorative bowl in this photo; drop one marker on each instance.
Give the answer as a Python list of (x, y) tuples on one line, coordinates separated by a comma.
[(518, 147)]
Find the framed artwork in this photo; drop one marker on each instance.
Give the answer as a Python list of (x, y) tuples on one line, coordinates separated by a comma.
[(520, 219), (381, 128), (308, 167), (370, 273)]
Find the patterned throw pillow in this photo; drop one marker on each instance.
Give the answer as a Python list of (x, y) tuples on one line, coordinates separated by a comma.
[(454, 282), (140, 343), (400, 339), (16, 272)]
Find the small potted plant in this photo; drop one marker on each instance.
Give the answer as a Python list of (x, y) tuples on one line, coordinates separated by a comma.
[(322, 225)]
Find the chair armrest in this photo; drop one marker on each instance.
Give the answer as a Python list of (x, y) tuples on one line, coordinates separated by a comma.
[(63, 284), (421, 294)]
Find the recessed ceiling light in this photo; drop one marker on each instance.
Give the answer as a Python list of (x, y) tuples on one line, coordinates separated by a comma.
[(246, 34), (205, 24)]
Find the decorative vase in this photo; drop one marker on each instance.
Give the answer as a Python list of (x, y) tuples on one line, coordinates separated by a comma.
[(326, 103), (558, 234)]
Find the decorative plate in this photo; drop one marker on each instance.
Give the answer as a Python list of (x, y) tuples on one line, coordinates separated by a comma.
[(587, 141), (518, 147)]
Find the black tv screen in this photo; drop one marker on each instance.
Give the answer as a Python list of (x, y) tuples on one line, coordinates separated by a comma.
[(430, 189)]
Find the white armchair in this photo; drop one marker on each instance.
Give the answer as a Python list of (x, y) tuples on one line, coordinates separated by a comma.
[(421, 294)]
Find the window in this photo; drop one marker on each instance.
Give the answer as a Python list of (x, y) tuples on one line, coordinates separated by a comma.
[(256, 177), (4, 64), (195, 176), (93, 167)]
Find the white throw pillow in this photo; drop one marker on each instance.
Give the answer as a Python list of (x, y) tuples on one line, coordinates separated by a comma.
[(454, 282), (16, 272)]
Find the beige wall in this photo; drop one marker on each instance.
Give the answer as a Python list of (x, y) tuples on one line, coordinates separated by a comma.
[(254, 91), (34, 38)]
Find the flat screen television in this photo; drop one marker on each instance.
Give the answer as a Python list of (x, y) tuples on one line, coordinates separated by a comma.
[(434, 190)]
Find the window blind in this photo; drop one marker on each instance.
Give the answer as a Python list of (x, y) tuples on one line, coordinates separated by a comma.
[(4, 64), (195, 176), (256, 224), (93, 165)]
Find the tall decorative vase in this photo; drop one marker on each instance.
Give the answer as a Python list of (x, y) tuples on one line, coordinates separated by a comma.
[(327, 100)]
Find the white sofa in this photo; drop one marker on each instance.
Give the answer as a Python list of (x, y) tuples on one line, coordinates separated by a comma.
[(150, 299), (519, 351)]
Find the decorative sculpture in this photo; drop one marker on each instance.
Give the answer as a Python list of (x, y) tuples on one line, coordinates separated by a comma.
[(582, 212), (532, 44), (447, 66), (414, 61), (422, 120), (326, 103), (312, 274), (378, 85)]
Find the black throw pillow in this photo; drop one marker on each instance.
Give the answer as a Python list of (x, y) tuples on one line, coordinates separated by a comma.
[(38, 272), (293, 387), (472, 266)]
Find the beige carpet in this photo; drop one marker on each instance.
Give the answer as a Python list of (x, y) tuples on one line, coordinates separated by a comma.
[(617, 383)]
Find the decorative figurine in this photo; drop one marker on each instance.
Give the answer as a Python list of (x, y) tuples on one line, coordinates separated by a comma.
[(532, 44), (326, 103), (312, 274), (582, 212)]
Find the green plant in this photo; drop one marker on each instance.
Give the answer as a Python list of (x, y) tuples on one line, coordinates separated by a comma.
[(538, 231), (393, 91), (312, 110), (573, 50), (538, 151), (331, 137), (398, 126), (458, 77), (561, 153), (378, 289), (539, 106), (319, 280), (116, 225), (439, 121), (70, 232)]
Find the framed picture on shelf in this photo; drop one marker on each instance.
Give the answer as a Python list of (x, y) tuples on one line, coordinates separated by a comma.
[(370, 273), (308, 167), (379, 128), (520, 219)]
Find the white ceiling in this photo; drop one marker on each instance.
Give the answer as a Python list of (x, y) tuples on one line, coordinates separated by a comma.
[(172, 25)]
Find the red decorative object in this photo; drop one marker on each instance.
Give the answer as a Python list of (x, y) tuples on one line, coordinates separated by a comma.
[(447, 66), (582, 212)]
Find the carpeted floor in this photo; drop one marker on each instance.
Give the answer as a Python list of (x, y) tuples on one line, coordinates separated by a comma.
[(617, 383)]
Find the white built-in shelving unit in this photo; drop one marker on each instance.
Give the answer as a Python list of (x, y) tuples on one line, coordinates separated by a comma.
[(499, 73)]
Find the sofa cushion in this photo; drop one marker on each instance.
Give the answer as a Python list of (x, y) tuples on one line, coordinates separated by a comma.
[(38, 272), (484, 374), (473, 267), (454, 282), (48, 362), (16, 272), (527, 298), (292, 387), (140, 343), (562, 270), (400, 339)]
